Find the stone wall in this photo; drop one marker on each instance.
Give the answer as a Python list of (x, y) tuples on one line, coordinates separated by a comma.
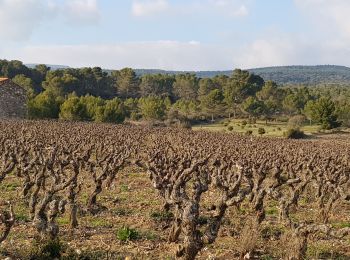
[(13, 100)]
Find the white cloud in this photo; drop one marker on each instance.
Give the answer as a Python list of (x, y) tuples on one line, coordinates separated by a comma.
[(82, 11), (287, 49), (193, 55), (19, 18), (331, 17), (263, 52), (171, 55), (149, 7), (236, 8), (233, 8), (241, 11)]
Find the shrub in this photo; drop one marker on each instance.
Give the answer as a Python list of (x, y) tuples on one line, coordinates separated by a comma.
[(112, 112), (152, 108), (249, 132), (50, 249), (230, 128), (294, 133), (261, 131), (244, 123), (162, 216), (126, 234), (135, 116)]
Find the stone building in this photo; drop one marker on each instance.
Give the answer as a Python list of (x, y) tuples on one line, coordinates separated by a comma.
[(13, 100)]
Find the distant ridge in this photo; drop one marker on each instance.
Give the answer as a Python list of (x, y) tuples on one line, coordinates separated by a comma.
[(283, 75), (309, 75), (53, 67)]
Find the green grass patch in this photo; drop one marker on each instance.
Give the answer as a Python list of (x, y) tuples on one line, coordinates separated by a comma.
[(63, 220), (272, 129), (99, 222), (271, 211), (340, 225), (125, 234)]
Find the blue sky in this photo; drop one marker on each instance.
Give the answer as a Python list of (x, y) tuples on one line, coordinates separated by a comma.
[(176, 34)]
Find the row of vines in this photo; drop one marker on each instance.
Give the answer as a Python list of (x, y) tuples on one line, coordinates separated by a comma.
[(196, 173)]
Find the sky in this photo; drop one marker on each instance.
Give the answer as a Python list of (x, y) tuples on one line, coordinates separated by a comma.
[(176, 34)]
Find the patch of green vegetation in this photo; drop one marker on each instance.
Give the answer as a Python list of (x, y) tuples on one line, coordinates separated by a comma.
[(43, 250), (122, 212), (148, 235), (127, 234), (323, 251), (7, 187), (272, 232), (22, 217), (100, 222), (63, 220), (272, 129), (162, 216), (340, 225), (124, 188), (202, 220), (272, 211)]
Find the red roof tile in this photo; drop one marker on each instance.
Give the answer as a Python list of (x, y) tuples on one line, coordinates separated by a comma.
[(3, 81)]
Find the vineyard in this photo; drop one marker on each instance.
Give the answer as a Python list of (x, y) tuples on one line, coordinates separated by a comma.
[(193, 194)]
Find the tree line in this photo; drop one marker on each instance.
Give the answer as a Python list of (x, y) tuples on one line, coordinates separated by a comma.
[(92, 94)]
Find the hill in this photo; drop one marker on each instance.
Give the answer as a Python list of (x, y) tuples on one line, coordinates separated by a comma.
[(52, 66), (310, 75), (284, 75), (322, 74)]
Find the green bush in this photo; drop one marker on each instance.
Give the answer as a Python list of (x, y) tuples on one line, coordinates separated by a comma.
[(162, 216), (152, 108), (261, 131), (112, 112), (244, 123), (50, 249), (126, 234), (294, 133), (230, 128)]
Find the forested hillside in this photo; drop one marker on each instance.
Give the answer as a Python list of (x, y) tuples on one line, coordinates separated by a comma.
[(311, 75), (92, 94), (282, 75)]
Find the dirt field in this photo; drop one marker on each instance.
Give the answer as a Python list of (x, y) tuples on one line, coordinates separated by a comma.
[(132, 202)]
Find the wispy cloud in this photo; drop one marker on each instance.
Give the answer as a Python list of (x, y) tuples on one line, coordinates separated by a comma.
[(237, 8), (84, 12), (171, 55), (329, 17), (149, 7), (19, 18), (146, 8)]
